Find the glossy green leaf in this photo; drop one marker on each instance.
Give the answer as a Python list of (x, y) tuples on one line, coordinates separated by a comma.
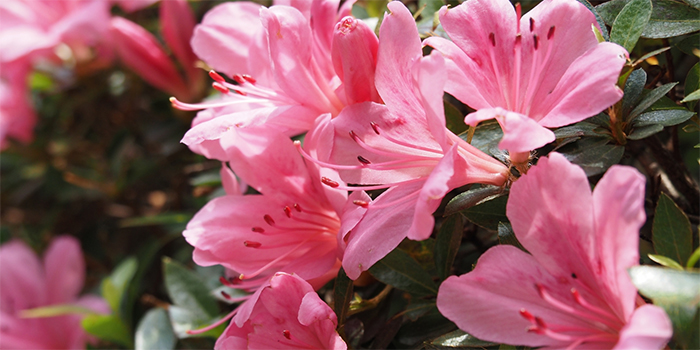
[(487, 136), (507, 236), (108, 327), (342, 295), (447, 244), (155, 332), (686, 324), (649, 99), (664, 117), (693, 3), (601, 22), (652, 54), (633, 90), (594, 155), (211, 178), (114, 287), (643, 132), (188, 291), (400, 270), (672, 234), (454, 119), (694, 258), (672, 18), (667, 286), (471, 198), (459, 340), (488, 213), (630, 23), (692, 83), (665, 261), (578, 130), (693, 96), (431, 6)]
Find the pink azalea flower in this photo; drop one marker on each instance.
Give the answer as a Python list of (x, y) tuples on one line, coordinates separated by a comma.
[(285, 313), (292, 226), (290, 65), (27, 283), (543, 70), (403, 146), (573, 290), (17, 116)]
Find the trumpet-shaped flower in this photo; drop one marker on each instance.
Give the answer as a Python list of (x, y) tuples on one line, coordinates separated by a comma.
[(403, 146), (573, 291), (540, 71), (290, 65), (285, 313), (27, 283), (292, 226)]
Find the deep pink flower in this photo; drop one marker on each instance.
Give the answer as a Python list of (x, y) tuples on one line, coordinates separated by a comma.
[(292, 226), (285, 313), (291, 65), (540, 71), (573, 291), (26, 283), (403, 146)]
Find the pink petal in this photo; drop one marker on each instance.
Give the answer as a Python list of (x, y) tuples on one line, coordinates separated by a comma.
[(557, 230), (351, 216), (65, 269), (229, 181), (649, 328), (22, 278), (486, 302), (355, 58), (177, 24), (588, 87), (520, 133), (323, 17), (313, 309), (618, 202), (399, 49), (431, 81)]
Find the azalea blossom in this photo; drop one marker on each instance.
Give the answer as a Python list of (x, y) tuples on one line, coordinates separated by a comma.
[(572, 290), (402, 145), (285, 313), (28, 283), (541, 71), (291, 226), (289, 64), (17, 116)]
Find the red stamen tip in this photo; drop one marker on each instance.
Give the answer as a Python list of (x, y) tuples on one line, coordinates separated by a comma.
[(287, 334), (269, 220), (297, 207), (288, 211), (225, 295), (527, 315), (353, 135), (328, 182), (536, 42), (532, 24), (375, 127), (518, 10), (258, 229), (363, 160), (360, 203), (239, 79), (218, 78), (550, 33), (240, 93), (251, 244), (249, 79), (492, 38), (220, 88)]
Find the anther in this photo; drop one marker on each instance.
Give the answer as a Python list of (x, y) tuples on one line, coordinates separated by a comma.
[(328, 182), (239, 79), (231, 282), (535, 41), (550, 33), (527, 315), (297, 207), (288, 211), (492, 38), (251, 244), (532, 24), (225, 295), (220, 88), (248, 78), (375, 127), (363, 160), (214, 75), (353, 135), (269, 220), (360, 203), (258, 229), (287, 334)]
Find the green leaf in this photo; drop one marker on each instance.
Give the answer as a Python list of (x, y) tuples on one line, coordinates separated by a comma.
[(693, 258), (633, 90), (601, 23), (693, 96), (342, 295), (692, 83), (594, 155), (652, 54), (630, 22), (160, 219), (108, 327), (486, 137), (155, 332), (454, 119), (649, 99), (459, 340), (577, 130), (690, 43), (672, 234), (686, 324), (665, 261), (447, 244), (115, 286), (211, 178), (664, 117), (693, 3), (471, 198), (667, 286), (644, 131), (400, 270), (671, 18), (488, 213), (431, 6), (507, 236), (183, 320), (188, 291), (609, 10)]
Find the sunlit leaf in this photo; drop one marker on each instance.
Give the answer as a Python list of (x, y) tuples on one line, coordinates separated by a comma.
[(692, 83), (108, 327), (400, 270), (649, 99), (155, 332), (630, 23), (458, 340), (672, 234), (665, 261), (472, 197), (188, 291)]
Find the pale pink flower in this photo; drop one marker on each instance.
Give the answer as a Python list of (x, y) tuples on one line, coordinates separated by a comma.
[(541, 71), (403, 146), (291, 226), (17, 116), (285, 313), (27, 283), (290, 65), (572, 290)]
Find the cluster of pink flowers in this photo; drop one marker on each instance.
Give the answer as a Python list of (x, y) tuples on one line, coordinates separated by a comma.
[(372, 113)]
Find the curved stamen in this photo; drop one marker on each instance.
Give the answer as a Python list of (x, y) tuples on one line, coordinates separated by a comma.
[(405, 198), (213, 325), (204, 105), (613, 324), (377, 129), (273, 262), (328, 182), (581, 301)]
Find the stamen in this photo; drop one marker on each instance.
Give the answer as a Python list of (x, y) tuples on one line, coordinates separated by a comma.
[(288, 211), (297, 207), (532, 24), (273, 262), (360, 203), (363, 160), (252, 244), (518, 12), (230, 282), (581, 301), (258, 229), (371, 187), (550, 33), (328, 182), (286, 334), (221, 103), (612, 323), (226, 295), (218, 78), (269, 220), (220, 88), (527, 315), (492, 38), (535, 42), (213, 325), (375, 127)]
